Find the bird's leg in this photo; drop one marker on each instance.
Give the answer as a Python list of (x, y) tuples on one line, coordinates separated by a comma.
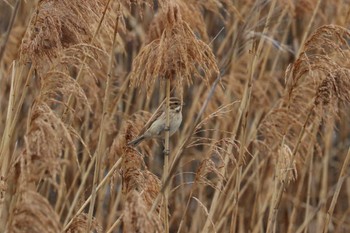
[(166, 152)]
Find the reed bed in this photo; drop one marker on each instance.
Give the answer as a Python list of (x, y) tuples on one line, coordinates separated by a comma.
[(265, 137)]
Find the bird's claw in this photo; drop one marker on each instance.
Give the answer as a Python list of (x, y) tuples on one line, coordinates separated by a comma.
[(166, 152)]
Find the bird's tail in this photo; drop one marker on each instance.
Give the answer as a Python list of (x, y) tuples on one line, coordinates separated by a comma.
[(136, 141)]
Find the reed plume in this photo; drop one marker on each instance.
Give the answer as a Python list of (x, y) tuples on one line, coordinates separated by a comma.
[(175, 55)]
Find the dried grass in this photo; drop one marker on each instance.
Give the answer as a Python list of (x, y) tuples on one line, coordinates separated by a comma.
[(175, 55), (33, 213), (264, 148), (80, 223), (57, 25)]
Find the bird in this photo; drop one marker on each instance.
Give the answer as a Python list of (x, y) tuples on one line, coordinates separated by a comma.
[(156, 126)]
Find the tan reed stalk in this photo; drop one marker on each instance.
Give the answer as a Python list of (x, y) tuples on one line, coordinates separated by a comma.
[(130, 99), (245, 106), (111, 222), (268, 48), (102, 136), (307, 30), (13, 114), (60, 205), (123, 90), (80, 72), (257, 204), (187, 125), (79, 191), (186, 208), (309, 183), (9, 28), (260, 227), (13, 111), (166, 156), (193, 188), (308, 219), (99, 186), (61, 189), (245, 103), (283, 41), (191, 114), (298, 196), (4, 150), (279, 193), (240, 115), (61, 208), (241, 198), (328, 140), (184, 144), (341, 221), (215, 201), (10, 111), (115, 224), (341, 179), (228, 209)]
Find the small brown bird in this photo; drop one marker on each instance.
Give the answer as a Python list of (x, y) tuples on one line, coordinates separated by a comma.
[(156, 127)]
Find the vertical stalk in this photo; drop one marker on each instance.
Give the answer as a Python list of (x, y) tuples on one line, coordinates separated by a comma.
[(9, 27), (4, 149), (7, 135), (80, 72), (308, 194), (99, 186), (184, 143), (245, 106), (306, 32), (301, 189), (340, 182), (279, 193), (102, 135), (13, 113), (323, 196), (166, 154)]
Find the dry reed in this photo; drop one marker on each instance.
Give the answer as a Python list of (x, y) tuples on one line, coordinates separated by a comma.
[(264, 147)]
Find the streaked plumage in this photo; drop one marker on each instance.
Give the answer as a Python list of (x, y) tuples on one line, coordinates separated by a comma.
[(155, 128)]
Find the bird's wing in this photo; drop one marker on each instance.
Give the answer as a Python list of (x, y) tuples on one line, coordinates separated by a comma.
[(152, 119)]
